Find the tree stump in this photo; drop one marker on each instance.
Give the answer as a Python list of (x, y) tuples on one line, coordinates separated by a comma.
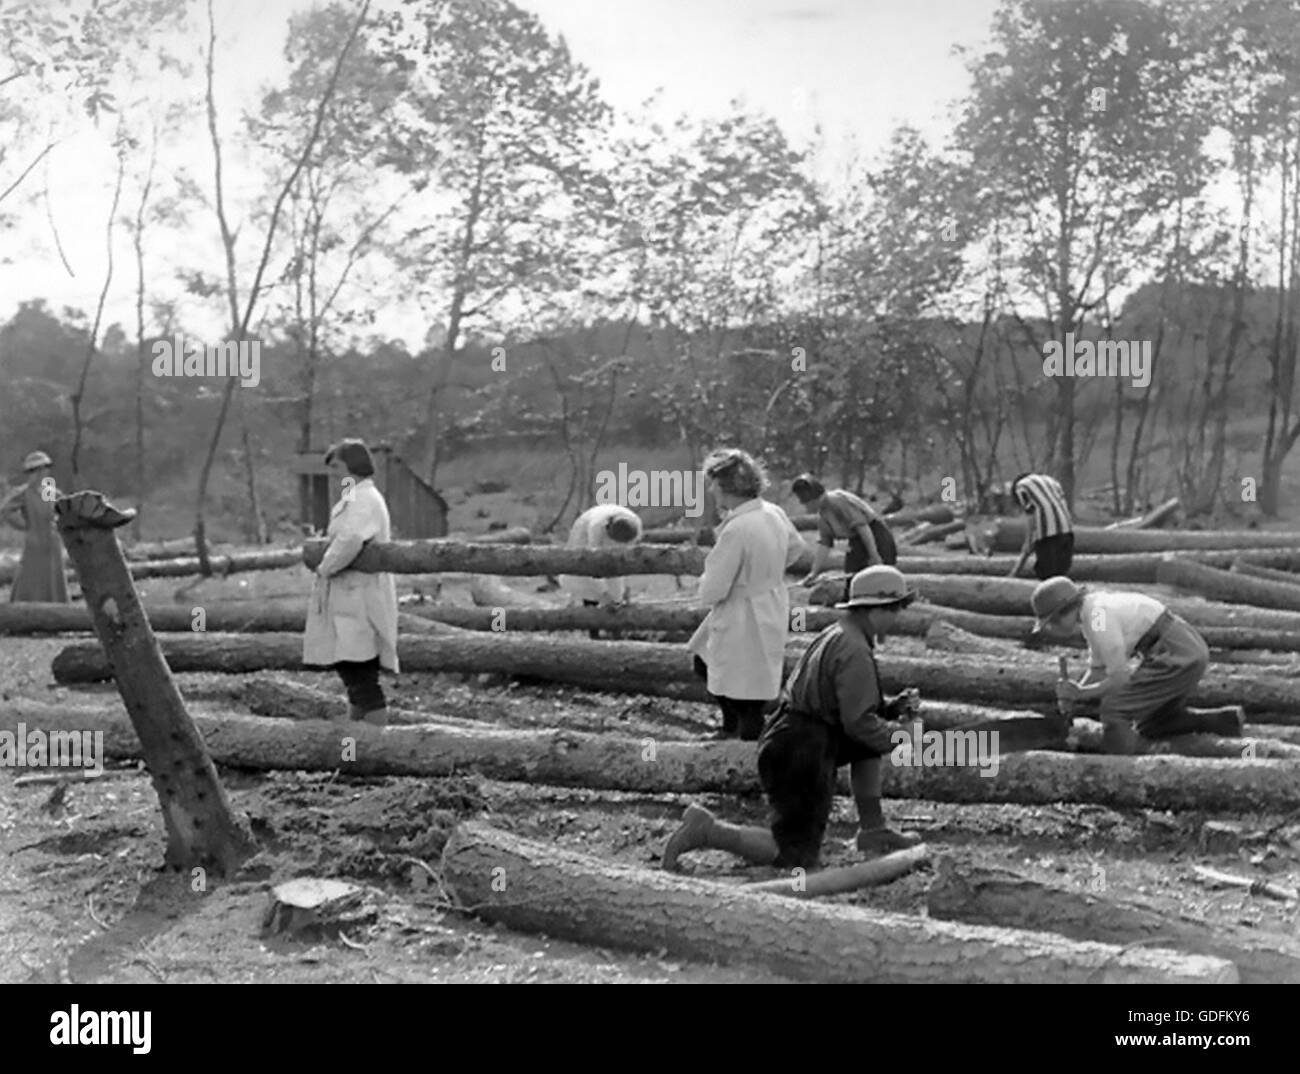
[(202, 829), (321, 907)]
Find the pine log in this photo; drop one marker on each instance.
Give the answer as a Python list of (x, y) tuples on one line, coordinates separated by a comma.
[(273, 560), (944, 637), (1226, 586), (846, 878), (571, 895), (1152, 519), (1085, 737), (1250, 570), (488, 591), (930, 531), (1008, 534), (161, 549), (995, 896), (203, 829), (663, 766), (512, 535), (1139, 567), (662, 670)]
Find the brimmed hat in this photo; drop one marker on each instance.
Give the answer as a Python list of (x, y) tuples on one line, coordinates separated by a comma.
[(36, 460), (1053, 597), (877, 586)]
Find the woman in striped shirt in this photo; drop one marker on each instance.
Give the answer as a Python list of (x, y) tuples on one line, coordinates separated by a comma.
[(1050, 533)]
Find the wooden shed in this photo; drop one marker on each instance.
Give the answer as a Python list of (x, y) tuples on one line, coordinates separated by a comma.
[(416, 509)]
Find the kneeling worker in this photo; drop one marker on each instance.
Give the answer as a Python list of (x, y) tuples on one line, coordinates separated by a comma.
[(1152, 698), (831, 713)]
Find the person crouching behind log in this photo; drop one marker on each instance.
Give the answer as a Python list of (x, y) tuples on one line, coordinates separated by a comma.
[(352, 618), (739, 649), (41, 574), (831, 713), (1148, 702), (840, 514), (606, 525), (1050, 530)]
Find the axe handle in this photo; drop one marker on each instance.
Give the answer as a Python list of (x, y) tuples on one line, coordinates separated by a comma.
[(1063, 663)]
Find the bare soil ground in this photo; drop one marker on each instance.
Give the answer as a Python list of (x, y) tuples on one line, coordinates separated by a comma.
[(82, 897)]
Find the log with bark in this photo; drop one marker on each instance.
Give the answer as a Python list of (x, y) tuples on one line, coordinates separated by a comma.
[(1156, 517), (512, 535), (1138, 567), (930, 531), (180, 546), (1008, 534), (943, 636), (663, 766), (272, 560), (847, 878), (203, 830), (1226, 586), (1002, 897), (534, 887), (1085, 737), (661, 670), (1251, 570)]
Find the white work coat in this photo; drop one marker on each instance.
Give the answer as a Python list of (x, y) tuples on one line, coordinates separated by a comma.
[(742, 640), (352, 614), (589, 532)]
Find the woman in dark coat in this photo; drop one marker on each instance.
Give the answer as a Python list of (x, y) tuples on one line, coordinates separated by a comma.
[(41, 574)]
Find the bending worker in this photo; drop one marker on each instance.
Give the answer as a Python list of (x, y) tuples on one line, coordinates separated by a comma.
[(840, 514), (831, 713), (1147, 702), (607, 525)]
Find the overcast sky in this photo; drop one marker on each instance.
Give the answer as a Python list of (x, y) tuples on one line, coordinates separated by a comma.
[(856, 67)]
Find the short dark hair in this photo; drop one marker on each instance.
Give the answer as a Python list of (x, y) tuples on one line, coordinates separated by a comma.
[(806, 487), (354, 455), (1019, 478), (622, 529)]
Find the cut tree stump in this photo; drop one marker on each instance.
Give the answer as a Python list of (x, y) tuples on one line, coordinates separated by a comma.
[(320, 907), (535, 888), (663, 670), (662, 766), (202, 828), (1003, 897), (1227, 586)]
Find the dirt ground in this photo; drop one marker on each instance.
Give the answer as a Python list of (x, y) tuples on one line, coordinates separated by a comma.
[(82, 897)]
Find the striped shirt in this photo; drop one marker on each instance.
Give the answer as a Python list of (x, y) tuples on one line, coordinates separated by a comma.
[(1043, 497)]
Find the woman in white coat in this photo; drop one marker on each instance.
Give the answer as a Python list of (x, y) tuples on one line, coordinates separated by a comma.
[(740, 646), (352, 618)]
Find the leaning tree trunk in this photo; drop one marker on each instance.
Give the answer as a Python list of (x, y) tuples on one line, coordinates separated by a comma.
[(604, 761), (661, 670), (995, 896), (202, 829), (570, 895)]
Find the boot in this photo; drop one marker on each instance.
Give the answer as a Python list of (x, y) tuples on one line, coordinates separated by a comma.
[(883, 840), (1227, 721), (377, 717)]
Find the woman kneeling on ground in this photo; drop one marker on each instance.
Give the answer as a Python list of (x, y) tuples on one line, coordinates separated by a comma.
[(352, 618)]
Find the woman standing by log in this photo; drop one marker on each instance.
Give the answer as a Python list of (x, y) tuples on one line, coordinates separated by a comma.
[(41, 573), (352, 619), (740, 647)]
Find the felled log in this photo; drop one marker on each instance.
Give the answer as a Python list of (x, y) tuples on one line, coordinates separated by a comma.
[(672, 535), (512, 535), (1137, 567), (274, 560), (662, 670), (437, 556), (944, 637), (570, 895), (930, 531), (490, 592), (847, 878), (1254, 885), (1153, 518), (1008, 534), (1250, 570), (1085, 736), (995, 896), (161, 549), (280, 699), (1226, 586), (663, 766)]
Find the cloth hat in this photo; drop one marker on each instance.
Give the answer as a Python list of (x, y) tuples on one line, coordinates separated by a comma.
[(877, 586), (1052, 597), (36, 460)]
